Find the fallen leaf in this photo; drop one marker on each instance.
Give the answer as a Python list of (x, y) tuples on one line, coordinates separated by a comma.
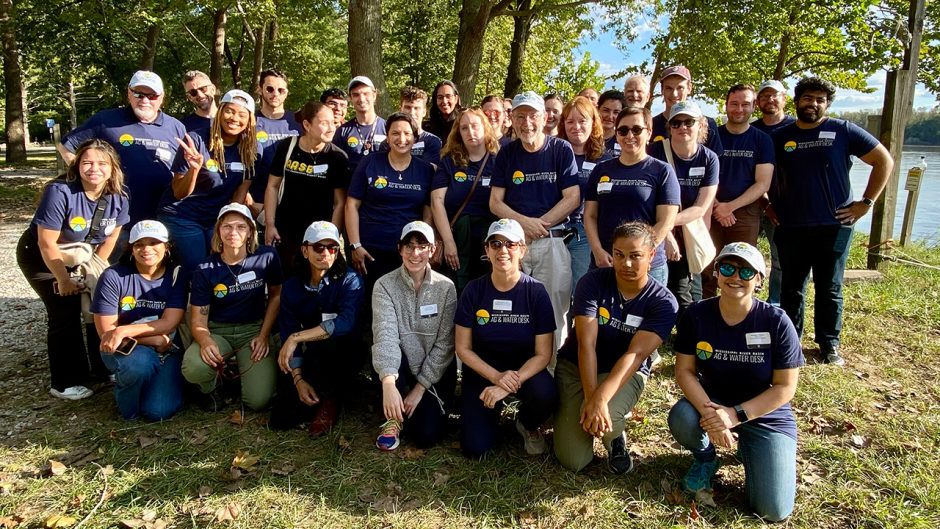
[(9, 522), (148, 515), (244, 460), (237, 418), (705, 497), (693, 513), (912, 445), (847, 426), (410, 453), (6, 487), (146, 441), (54, 468), (528, 519), (635, 415), (107, 470), (366, 495), (229, 513), (645, 489), (440, 478), (387, 503), (411, 505), (811, 478), (204, 491), (77, 501), (859, 441), (343, 443), (586, 511), (157, 524), (133, 523), (58, 521), (199, 437)]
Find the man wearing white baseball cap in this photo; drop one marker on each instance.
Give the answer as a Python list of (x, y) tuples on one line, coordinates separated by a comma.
[(366, 131), (535, 183), (772, 103)]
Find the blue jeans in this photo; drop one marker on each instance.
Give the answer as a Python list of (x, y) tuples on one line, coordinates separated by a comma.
[(776, 273), (190, 239), (146, 385), (580, 250), (660, 273), (824, 251), (769, 460)]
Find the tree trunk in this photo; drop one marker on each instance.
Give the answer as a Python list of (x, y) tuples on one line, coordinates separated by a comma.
[(258, 64), (784, 49), (474, 18), (150, 48), (364, 42), (13, 85), (235, 63), (218, 47), (521, 28)]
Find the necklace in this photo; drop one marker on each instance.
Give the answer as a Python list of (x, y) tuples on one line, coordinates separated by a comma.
[(240, 266), (366, 142)]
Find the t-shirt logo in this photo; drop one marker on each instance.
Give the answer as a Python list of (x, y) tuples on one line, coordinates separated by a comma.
[(703, 350), (518, 177), (128, 303), (658, 138), (789, 146), (126, 140), (352, 141), (483, 317), (460, 176), (78, 223), (380, 183), (220, 291), (212, 166), (603, 316), (261, 136)]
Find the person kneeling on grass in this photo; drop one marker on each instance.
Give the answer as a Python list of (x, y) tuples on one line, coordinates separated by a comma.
[(737, 362), (505, 335), (138, 304), (598, 382), (413, 350), (319, 315)]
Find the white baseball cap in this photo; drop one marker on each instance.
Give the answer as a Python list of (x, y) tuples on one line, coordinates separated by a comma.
[(235, 207), (148, 79), (772, 84), (529, 99), (321, 230), (149, 229), (420, 227), (358, 80), (687, 108), (508, 228), (240, 98), (746, 253)]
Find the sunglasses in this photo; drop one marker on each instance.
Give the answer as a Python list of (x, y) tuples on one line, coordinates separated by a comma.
[(636, 130), (319, 248), (676, 123), (194, 92), (497, 244), (141, 95), (746, 273), (271, 90)]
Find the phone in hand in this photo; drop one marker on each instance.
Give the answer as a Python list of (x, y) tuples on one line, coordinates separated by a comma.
[(55, 287), (126, 346)]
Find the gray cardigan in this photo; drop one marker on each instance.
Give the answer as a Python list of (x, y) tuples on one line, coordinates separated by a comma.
[(398, 326)]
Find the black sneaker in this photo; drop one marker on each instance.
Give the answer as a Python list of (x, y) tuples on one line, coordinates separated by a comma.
[(618, 457), (832, 356), (212, 401)]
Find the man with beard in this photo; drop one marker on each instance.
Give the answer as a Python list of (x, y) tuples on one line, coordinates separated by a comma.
[(676, 85), (273, 123), (366, 130), (636, 91), (145, 139), (746, 168), (200, 92), (813, 198)]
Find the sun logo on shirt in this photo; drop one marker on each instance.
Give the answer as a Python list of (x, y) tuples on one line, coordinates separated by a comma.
[(352, 141), (789, 146), (603, 180), (220, 291), (212, 165), (658, 138), (483, 317), (703, 350), (128, 303), (518, 177), (261, 136), (460, 176), (78, 223), (603, 316), (380, 183), (126, 140)]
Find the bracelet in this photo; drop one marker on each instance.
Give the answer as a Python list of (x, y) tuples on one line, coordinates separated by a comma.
[(297, 377)]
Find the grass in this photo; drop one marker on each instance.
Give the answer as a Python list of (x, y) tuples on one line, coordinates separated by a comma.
[(180, 471)]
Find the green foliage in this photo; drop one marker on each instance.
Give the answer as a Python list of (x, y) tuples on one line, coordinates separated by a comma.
[(922, 129)]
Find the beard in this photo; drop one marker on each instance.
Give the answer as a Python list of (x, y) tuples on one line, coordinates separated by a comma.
[(146, 114)]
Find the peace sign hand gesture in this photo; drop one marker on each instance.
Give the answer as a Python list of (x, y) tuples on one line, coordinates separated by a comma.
[(192, 155)]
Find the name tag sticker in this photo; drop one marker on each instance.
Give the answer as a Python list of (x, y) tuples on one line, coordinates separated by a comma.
[(633, 320), (604, 187), (827, 135), (428, 310), (502, 304), (320, 169), (588, 166), (236, 166), (163, 154), (378, 138), (485, 181), (327, 316), (419, 145), (757, 339), (696, 171), (245, 277)]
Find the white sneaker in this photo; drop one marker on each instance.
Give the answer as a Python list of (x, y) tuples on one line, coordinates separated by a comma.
[(534, 441), (72, 393)]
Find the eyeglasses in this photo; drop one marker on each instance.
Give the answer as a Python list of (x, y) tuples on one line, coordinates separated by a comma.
[(677, 123), (319, 248), (141, 95), (636, 130), (445, 97), (497, 244), (746, 273), (336, 104), (416, 248), (194, 92), (270, 89)]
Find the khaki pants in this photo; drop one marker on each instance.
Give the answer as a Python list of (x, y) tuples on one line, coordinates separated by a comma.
[(549, 261)]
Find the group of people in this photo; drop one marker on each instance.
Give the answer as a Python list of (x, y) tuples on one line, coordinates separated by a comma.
[(546, 256)]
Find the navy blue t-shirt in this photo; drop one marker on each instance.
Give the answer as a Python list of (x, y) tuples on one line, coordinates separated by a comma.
[(123, 292), (504, 324), (534, 181), (389, 199), (611, 147), (269, 133), (236, 293), (699, 171), (66, 208), (354, 139), (653, 309), (769, 129), (584, 172), (812, 177), (427, 147), (195, 122), (743, 153), (626, 193), (459, 181), (147, 151), (661, 131), (215, 185), (736, 363)]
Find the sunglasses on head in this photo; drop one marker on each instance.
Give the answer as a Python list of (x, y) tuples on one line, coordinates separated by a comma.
[(141, 95), (194, 92), (636, 130), (676, 123), (318, 248), (271, 90), (496, 244), (746, 273)]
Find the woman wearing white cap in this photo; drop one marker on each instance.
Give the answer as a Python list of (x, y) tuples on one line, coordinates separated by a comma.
[(234, 303), (318, 320), (213, 167), (413, 350), (737, 362), (504, 336), (138, 305)]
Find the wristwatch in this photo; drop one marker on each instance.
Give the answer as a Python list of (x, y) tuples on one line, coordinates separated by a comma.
[(355, 246), (742, 415), (867, 201)]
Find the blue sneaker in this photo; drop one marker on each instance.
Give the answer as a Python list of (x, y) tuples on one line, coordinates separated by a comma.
[(389, 437), (699, 477)]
